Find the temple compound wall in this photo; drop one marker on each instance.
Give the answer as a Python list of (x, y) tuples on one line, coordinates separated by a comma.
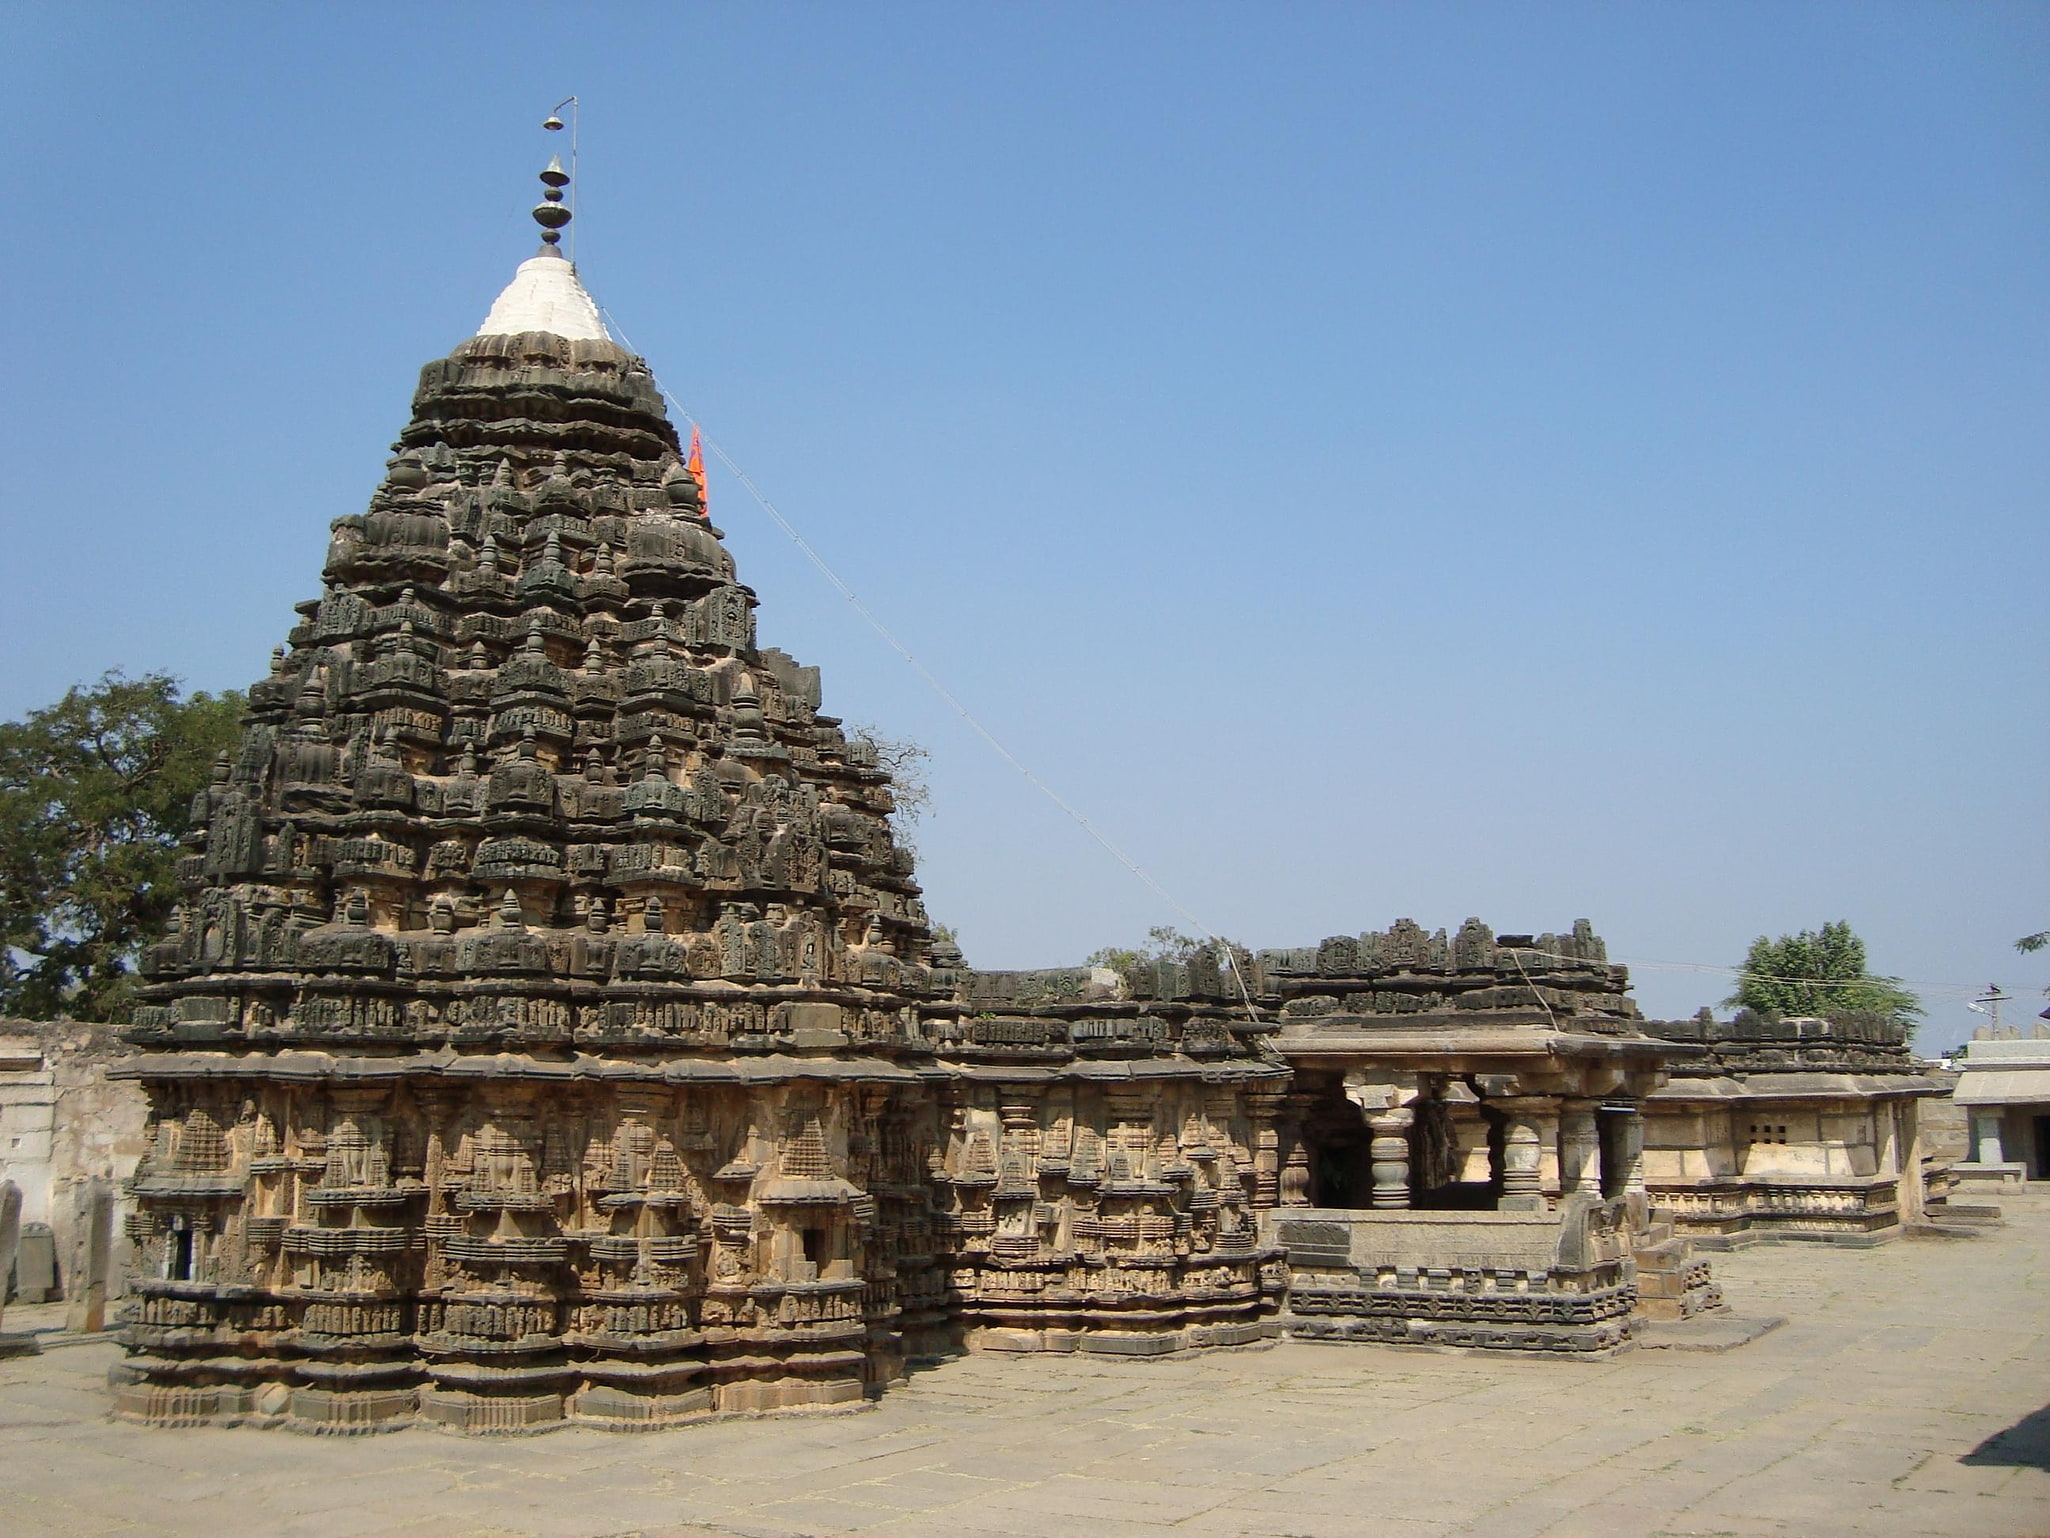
[(69, 1140), (1791, 1129)]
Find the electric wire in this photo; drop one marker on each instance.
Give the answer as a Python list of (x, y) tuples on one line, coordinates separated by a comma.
[(1226, 951), (1224, 948)]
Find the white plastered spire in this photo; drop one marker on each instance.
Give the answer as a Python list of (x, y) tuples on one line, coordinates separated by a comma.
[(545, 295)]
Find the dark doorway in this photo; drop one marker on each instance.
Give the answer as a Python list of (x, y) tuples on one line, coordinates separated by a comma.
[(2042, 1169), (178, 1254)]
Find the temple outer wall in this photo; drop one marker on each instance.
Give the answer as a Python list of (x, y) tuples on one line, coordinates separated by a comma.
[(70, 1137)]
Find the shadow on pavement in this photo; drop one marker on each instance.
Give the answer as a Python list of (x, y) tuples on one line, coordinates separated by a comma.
[(2025, 1444)]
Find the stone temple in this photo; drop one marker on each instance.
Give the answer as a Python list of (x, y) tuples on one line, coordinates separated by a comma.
[(553, 1029)]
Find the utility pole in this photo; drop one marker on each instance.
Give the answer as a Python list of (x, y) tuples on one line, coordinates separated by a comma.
[(1989, 1002)]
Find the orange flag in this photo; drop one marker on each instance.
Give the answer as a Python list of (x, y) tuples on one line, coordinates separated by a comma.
[(696, 466)]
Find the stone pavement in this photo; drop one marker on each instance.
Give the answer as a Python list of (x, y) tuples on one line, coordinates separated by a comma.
[(1906, 1393)]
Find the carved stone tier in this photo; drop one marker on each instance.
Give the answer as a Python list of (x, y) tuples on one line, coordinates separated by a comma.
[(546, 968)]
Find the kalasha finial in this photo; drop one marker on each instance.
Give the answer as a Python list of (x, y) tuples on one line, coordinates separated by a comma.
[(549, 213)]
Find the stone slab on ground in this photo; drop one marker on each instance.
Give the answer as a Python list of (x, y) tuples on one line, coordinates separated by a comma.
[(1706, 1332), (1908, 1392)]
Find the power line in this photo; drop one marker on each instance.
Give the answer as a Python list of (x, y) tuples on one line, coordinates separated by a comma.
[(1080, 819), (825, 570)]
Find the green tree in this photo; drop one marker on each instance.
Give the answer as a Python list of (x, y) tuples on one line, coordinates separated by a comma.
[(1818, 973), (95, 794), (1163, 943)]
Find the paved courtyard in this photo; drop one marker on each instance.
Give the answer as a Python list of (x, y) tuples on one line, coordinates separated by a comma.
[(1906, 1393)]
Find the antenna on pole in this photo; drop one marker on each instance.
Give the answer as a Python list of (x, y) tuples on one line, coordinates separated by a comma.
[(553, 123)]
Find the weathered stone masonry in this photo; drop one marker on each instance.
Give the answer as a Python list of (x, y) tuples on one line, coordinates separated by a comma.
[(551, 1028)]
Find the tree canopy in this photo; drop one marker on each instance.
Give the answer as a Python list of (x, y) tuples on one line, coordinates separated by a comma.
[(1818, 972), (95, 794)]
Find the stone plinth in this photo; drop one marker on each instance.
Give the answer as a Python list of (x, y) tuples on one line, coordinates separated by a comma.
[(1797, 1129), (1519, 1281)]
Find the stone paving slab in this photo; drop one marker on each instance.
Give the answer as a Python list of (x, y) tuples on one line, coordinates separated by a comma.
[(1908, 1392)]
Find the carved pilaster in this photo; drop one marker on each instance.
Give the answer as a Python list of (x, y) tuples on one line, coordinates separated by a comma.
[(1294, 1185), (1626, 1146)]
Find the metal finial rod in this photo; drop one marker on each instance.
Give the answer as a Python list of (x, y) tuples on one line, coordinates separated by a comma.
[(553, 123)]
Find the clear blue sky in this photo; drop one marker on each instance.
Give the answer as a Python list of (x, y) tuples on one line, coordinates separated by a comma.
[(1535, 462)]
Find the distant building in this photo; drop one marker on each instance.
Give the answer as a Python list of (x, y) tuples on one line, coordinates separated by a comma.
[(2004, 1087)]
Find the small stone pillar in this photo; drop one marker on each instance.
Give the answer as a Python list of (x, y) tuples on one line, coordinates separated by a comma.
[(10, 1242), (1580, 1148), (92, 1244), (10, 1237)]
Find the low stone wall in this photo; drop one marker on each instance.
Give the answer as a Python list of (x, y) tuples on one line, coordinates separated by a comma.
[(1561, 1281)]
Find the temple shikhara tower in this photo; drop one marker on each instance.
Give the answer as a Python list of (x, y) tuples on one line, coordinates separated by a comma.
[(553, 1027)]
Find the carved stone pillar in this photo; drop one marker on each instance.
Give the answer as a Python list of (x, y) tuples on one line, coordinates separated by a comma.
[(1386, 1104), (1580, 1148), (1522, 1153), (1390, 1150)]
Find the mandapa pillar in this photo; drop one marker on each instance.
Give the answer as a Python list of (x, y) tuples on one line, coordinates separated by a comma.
[(1522, 1153), (1580, 1148), (1390, 1150)]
